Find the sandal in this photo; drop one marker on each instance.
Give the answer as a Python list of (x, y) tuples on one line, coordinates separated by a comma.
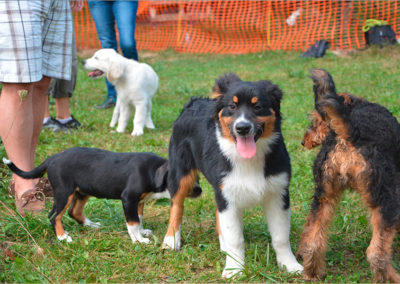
[(32, 201), (43, 185)]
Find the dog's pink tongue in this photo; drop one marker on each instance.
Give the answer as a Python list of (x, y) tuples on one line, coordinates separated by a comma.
[(246, 147), (95, 73)]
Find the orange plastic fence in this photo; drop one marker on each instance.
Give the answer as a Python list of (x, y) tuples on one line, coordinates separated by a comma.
[(246, 26)]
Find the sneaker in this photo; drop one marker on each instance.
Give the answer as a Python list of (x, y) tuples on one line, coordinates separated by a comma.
[(53, 124), (72, 124), (32, 201), (109, 102)]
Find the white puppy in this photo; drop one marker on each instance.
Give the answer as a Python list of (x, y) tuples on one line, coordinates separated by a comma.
[(135, 83)]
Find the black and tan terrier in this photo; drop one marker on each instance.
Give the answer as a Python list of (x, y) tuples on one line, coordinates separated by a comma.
[(360, 150)]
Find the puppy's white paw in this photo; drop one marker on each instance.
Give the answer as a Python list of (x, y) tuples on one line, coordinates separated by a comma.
[(171, 243), (141, 240), (112, 124), (91, 224), (231, 273), (65, 237), (137, 132), (120, 130), (150, 125), (292, 267), (146, 232)]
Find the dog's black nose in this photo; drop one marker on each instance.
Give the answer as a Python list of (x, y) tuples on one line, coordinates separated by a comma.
[(83, 62), (243, 128), (302, 142)]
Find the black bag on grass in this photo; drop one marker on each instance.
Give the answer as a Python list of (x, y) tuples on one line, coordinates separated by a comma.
[(317, 49)]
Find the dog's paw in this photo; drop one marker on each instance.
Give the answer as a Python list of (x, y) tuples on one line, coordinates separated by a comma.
[(65, 237), (146, 232), (292, 267), (120, 130), (229, 273), (136, 132), (150, 125), (91, 224), (144, 240), (171, 243)]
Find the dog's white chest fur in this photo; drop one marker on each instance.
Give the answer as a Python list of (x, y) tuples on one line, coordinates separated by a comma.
[(246, 185)]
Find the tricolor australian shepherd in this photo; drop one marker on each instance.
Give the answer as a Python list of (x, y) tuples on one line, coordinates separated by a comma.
[(235, 140)]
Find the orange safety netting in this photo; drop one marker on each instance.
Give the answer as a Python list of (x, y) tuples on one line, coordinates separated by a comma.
[(246, 26)]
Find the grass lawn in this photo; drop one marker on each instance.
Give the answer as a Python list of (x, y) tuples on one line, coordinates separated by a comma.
[(108, 255)]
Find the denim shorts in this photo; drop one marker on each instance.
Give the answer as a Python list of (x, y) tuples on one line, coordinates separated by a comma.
[(35, 40)]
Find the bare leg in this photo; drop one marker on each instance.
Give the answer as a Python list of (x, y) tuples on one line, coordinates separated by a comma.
[(39, 98), (21, 124), (62, 108)]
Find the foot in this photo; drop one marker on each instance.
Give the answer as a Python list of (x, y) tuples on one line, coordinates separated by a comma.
[(44, 186), (32, 201), (65, 237), (291, 266), (137, 132), (91, 224), (150, 125), (54, 125), (171, 242), (72, 123), (108, 103), (146, 232), (135, 234)]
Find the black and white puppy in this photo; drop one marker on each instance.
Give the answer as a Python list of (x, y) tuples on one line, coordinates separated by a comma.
[(235, 140), (136, 84), (78, 173)]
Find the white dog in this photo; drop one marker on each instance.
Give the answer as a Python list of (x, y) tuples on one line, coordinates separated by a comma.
[(135, 83)]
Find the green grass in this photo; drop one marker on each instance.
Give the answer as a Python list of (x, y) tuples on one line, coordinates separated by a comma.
[(108, 255)]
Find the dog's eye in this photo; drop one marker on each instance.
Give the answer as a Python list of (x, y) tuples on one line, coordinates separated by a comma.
[(257, 107), (232, 106)]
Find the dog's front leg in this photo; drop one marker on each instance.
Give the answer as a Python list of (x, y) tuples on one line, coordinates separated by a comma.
[(278, 220), (124, 114), (130, 203), (140, 119), (143, 231), (231, 225), (149, 121), (115, 115)]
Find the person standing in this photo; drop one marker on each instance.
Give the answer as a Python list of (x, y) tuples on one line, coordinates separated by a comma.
[(105, 15), (35, 45), (62, 90)]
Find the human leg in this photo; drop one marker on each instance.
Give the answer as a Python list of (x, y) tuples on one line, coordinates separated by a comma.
[(104, 20), (125, 17), (16, 129)]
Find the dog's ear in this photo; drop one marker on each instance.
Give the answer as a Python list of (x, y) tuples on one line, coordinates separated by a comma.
[(275, 93), (161, 176), (222, 84), (114, 70)]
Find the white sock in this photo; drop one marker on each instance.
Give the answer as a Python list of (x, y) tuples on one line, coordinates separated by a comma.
[(46, 119), (65, 120)]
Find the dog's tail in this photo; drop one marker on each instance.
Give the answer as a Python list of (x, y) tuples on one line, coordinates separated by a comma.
[(35, 173), (330, 105), (336, 114), (323, 84)]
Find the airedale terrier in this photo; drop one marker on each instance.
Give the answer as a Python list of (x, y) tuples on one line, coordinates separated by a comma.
[(360, 150)]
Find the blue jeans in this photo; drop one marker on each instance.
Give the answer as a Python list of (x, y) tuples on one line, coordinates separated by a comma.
[(105, 14)]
